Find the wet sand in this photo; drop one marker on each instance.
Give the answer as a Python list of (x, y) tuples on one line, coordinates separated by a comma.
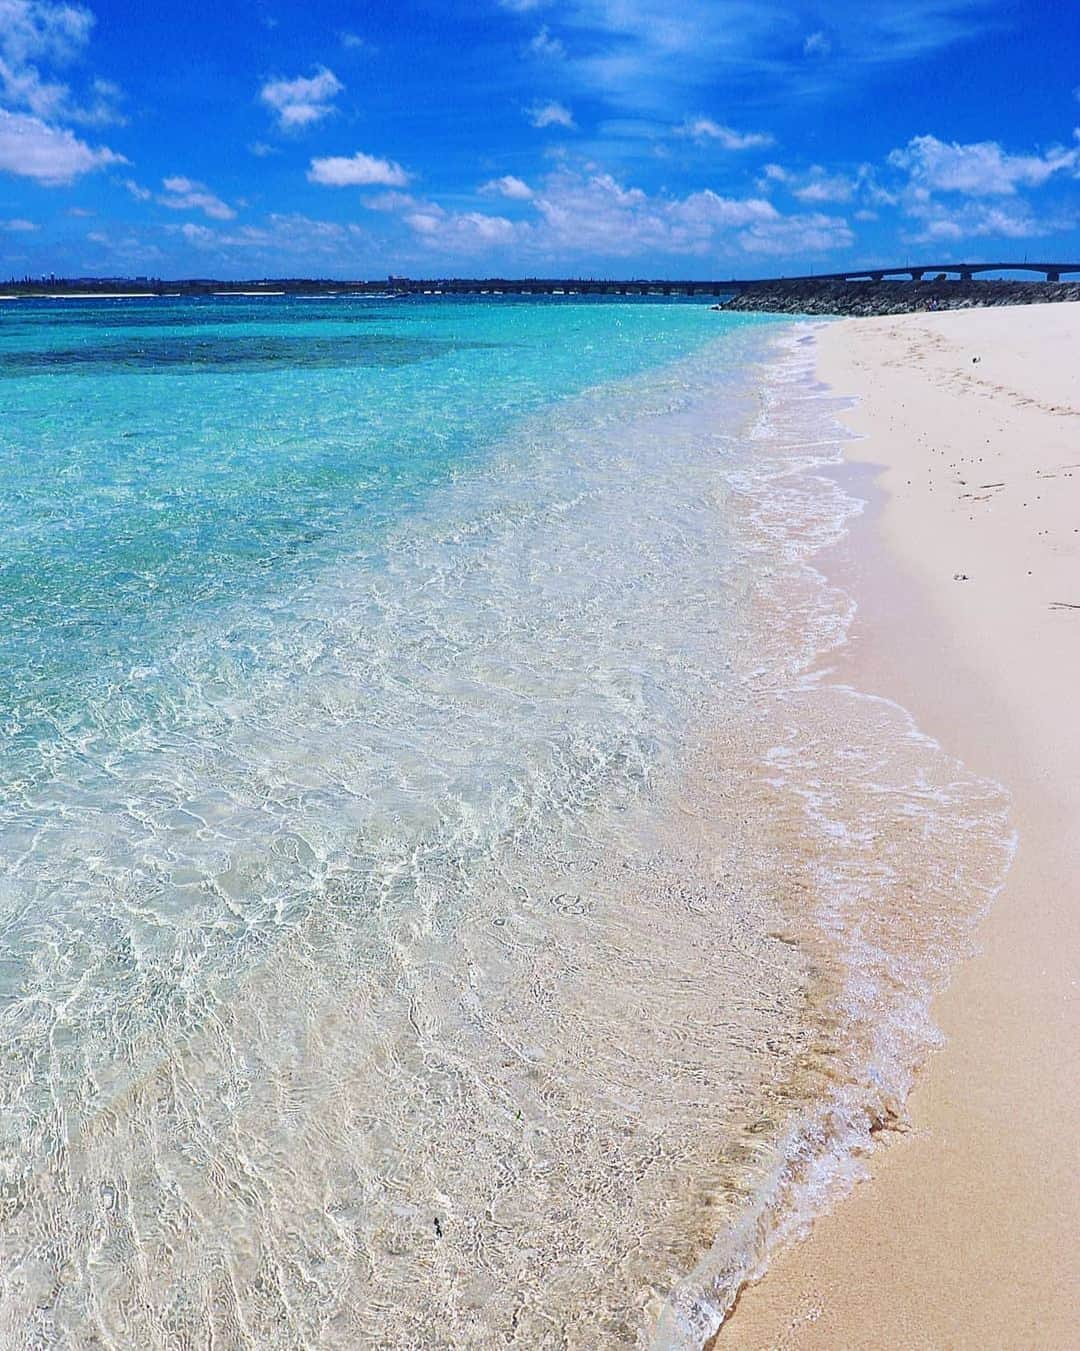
[(967, 572)]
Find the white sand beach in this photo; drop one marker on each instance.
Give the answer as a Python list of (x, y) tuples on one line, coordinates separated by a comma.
[(967, 573)]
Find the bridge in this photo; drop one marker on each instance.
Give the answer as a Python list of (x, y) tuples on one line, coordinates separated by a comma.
[(568, 286), (964, 272), (961, 271)]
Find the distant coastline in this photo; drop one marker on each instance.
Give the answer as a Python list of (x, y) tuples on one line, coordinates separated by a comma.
[(856, 296)]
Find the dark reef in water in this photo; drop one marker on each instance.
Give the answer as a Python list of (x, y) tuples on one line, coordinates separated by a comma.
[(259, 352), (864, 298)]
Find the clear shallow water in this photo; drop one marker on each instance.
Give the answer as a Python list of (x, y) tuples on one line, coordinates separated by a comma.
[(419, 912), (178, 454)]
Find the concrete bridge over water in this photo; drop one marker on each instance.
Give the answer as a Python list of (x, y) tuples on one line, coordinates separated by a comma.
[(963, 272), (960, 271)]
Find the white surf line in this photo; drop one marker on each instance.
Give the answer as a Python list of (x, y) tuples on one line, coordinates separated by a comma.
[(87, 295)]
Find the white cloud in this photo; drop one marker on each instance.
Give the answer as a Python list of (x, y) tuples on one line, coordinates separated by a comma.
[(794, 235), (522, 6), (304, 230), (33, 32), (653, 57), (817, 186), (186, 194), (705, 129), (359, 171), (355, 43), (52, 155), (516, 189), (462, 231), (596, 213), (585, 214), (18, 225), (978, 169), (823, 187), (816, 44), (291, 233), (303, 101), (129, 252), (390, 201), (550, 114), (261, 150), (24, 87), (870, 189), (709, 210), (545, 47), (103, 109), (200, 234), (940, 224), (137, 190)]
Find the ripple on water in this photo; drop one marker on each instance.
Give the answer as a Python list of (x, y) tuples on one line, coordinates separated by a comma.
[(499, 936)]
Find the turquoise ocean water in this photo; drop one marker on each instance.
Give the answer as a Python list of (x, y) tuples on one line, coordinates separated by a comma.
[(357, 658), (162, 458)]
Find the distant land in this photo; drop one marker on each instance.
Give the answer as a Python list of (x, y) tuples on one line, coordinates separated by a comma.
[(857, 292)]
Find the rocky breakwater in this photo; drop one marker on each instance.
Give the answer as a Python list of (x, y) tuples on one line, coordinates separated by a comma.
[(893, 297)]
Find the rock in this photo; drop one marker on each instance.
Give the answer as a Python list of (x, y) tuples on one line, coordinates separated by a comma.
[(863, 299)]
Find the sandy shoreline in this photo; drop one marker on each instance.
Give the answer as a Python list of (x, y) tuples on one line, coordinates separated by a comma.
[(964, 569)]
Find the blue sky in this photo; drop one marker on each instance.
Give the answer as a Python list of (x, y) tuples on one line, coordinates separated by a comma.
[(250, 138)]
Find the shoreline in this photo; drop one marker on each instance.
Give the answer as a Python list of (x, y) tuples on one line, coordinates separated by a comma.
[(963, 1236), (856, 812)]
